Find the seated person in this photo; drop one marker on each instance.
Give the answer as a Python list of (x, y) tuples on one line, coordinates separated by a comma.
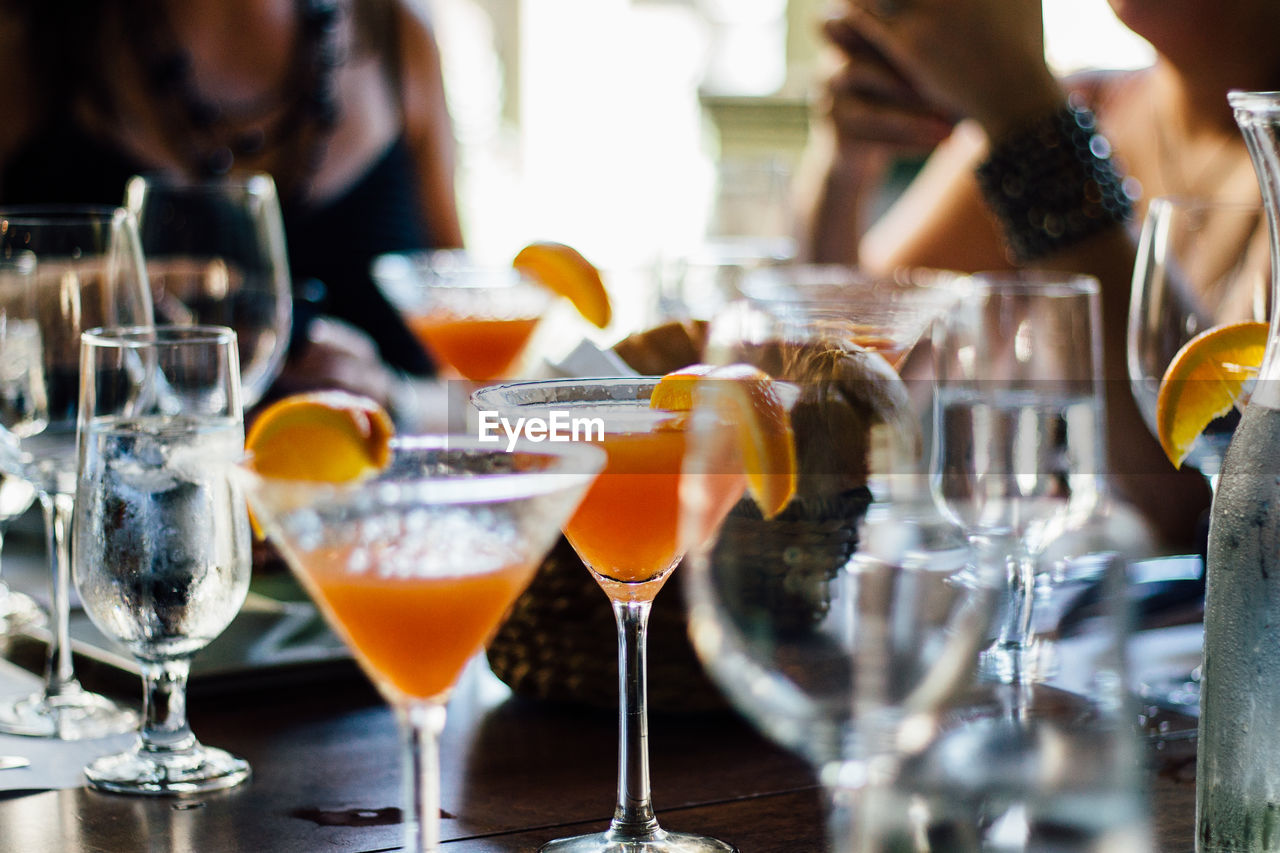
[(341, 101), (967, 81)]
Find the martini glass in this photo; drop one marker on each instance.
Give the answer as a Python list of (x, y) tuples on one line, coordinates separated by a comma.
[(415, 567), (888, 314), (474, 319), (627, 533)]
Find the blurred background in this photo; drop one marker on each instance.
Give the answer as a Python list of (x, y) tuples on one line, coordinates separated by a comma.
[(631, 129)]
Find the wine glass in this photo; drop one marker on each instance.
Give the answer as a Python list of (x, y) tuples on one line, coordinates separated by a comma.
[(17, 610), (1200, 263), (1018, 445), (627, 533), (161, 536), (88, 272), (840, 626), (216, 255), (474, 319), (416, 566)]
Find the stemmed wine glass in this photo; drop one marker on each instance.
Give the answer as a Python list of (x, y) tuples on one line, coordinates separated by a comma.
[(415, 568), (1018, 449), (88, 272), (627, 534), (842, 625), (216, 255), (17, 367), (1200, 263), (161, 537)]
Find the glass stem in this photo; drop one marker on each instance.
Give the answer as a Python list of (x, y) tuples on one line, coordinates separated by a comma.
[(60, 677), (164, 707), (633, 819), (422, 723), (1009, 660)]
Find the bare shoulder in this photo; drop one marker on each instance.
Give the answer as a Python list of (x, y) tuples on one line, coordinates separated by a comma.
[(421, 81), (416, 37)]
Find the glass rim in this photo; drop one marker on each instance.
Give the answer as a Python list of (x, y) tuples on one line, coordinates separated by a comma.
[(1259, 101), (577, 461), (252, 181), (493, 393), (415, 270), (60, 214), (1049, 283), (140, 336)]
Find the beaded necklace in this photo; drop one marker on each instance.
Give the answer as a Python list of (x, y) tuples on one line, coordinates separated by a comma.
[(211, 135)]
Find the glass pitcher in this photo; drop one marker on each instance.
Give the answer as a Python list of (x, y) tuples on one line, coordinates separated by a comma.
[(1237, 786)]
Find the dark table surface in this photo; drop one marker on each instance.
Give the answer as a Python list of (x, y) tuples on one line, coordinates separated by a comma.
[(516, 773)]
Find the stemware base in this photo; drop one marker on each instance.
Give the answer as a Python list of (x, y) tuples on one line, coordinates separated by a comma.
[(190, 771), (659, 841), (71, 714)]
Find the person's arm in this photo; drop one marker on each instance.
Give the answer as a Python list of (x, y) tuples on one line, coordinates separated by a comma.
[(985, 59), (428, 127), (866, 117)]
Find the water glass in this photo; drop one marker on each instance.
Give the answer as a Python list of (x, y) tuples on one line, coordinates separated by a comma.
[(1018, 438), (161, 537)]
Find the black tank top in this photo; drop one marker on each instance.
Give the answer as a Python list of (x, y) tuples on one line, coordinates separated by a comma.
[(334, 242)]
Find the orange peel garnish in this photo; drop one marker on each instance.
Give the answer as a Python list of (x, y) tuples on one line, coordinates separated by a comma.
[(747, 398), (320, 436), (564, 271), (1204, 381)]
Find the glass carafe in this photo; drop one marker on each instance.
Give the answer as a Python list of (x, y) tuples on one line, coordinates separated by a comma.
[(1238, 790)]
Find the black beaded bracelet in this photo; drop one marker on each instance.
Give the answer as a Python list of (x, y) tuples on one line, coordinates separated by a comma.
[(1052, 184)]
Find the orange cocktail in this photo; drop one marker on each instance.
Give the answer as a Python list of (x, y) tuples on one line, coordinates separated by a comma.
[(628, 526), (479, 348), (414, 635), (415, 563), (630, 530)]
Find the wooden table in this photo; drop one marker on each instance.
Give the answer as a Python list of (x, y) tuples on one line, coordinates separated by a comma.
[(516, 773)]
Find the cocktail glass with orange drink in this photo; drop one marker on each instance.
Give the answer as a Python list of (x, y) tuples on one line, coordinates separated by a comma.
[(888, 314), (476, 319), (628, 531), (415, 563)]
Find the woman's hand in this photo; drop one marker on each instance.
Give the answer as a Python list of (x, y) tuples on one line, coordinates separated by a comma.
[(983, 59), (336, 356), (871, 105)]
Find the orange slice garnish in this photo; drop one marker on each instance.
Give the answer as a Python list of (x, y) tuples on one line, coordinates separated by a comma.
[(674, 391), (1204, 381), (747, 398), (320, 436), (564, 271)]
